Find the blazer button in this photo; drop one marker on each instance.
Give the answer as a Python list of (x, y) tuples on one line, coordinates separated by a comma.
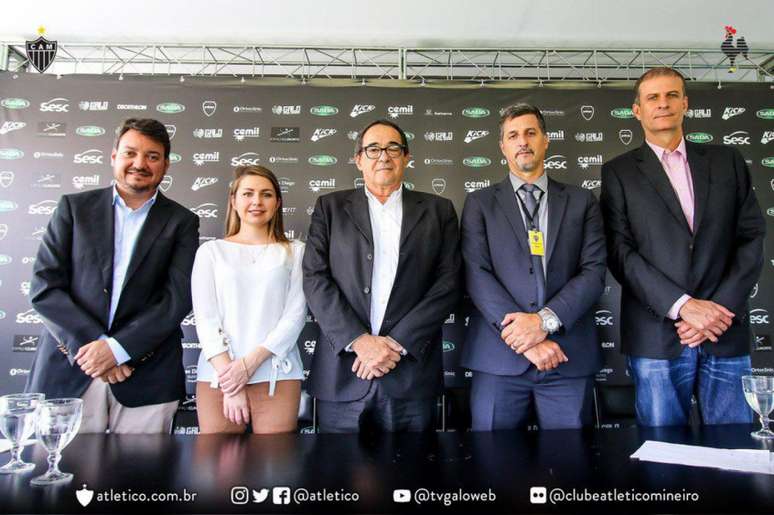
[(366, 290), (105, 291), (369, 257)]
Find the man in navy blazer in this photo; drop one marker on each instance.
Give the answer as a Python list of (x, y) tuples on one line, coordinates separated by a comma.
[(534, 254), (685, 238)]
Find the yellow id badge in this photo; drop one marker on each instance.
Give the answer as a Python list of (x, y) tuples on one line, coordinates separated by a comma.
[(536, 243)]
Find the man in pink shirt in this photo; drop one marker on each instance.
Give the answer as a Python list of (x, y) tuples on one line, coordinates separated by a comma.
[(685, 240)]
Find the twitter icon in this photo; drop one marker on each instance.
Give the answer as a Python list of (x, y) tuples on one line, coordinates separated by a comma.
[(260, 495)]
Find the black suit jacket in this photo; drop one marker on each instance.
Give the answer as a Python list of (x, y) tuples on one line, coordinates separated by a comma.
[(498, 273), (71, 290), (338, 262), (656, 258)]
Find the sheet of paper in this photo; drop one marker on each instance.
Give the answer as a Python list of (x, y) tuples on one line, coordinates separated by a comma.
[(743, 460), (5, 445)]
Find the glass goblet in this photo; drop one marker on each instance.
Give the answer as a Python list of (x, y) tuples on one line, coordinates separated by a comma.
[(58, 423), (759, 392), (18, 413)]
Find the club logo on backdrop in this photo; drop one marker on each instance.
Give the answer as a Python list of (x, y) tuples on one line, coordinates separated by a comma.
[(171, 130), (41, 52), (6, 178), (625, 135), (439, 185), (3, 231), (587, 112), (165, 183), (209, 107)]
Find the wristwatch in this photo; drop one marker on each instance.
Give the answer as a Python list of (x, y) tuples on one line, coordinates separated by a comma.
[(550, 322)]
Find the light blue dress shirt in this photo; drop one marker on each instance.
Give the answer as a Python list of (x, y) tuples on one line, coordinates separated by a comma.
[(126, 228)]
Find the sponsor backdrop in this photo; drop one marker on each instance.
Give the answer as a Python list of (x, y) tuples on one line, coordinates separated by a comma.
[(56, 136)]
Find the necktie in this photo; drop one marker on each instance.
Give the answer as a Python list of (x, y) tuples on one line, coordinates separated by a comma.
[(531, 214)]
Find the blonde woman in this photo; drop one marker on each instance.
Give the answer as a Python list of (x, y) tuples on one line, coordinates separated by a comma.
[(249, 307)]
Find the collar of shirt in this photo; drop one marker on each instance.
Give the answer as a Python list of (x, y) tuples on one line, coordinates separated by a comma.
[(541, 183), (660, 151), (394, 201), (119, 201)]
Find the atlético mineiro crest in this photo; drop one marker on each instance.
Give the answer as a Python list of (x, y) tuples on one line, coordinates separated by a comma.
[(41, 52)]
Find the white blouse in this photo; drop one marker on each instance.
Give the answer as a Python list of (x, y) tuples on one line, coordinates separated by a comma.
[(245, 296)]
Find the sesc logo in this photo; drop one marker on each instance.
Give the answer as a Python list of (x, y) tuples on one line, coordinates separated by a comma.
[(55, 105), (316, 185), (322, 133), (359, 109), (28, 317), (623, 113), (759, 317), (88, 157), (44, 207), (170, 108), (11, 153), (11, 126), (203, 182), (737, 138), (555, 162), (90, 131), (767, 136), (324, 110), (474, 135), (322, 160), (475, 112), (17, 103), (766, 114), (189, 320), (730, 112), (699, 137), (477, 161), (246, 159), (206, 210), (603, 318)]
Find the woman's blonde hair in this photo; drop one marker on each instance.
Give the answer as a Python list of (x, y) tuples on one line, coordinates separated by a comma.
[(233, 223)]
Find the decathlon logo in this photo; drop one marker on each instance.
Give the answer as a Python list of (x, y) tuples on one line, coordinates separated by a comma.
[(730, 112), (55, 105), (737, 138), (603, 318), (89, 157), (206, 210), (474, 135), (555, 162), (322, 133), (359, 109)]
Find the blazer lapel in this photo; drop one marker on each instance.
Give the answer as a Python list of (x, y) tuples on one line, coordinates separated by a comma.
[(506, 199), (357, 209), (103, 238), (158, 216), (557, 204), (697, 160), (654, 171), (413, 210)]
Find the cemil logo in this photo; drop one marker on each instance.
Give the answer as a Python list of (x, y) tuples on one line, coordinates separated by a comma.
[(766, 114), (89, 131), (475, 112), (477, 161), (322, 160), (11, 153), (622, 112), (699, 137), (324, 110), (20, 103), (170, 108)]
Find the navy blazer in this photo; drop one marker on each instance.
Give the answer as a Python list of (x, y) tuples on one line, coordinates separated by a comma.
[(71, 290), (499, 279), (338, 262), (656, 257)]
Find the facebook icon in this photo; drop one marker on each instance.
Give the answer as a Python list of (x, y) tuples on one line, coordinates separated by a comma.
[(280, 495)]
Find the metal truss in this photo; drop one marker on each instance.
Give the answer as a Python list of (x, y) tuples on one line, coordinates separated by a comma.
[(412, 64)]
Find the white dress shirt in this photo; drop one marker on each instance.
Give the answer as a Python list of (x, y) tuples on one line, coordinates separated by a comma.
[(386, 220), (245, 296)]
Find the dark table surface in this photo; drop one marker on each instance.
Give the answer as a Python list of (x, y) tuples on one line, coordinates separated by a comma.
[(120, 470)]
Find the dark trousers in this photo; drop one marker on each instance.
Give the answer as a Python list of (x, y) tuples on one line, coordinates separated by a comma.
[(503, 402), (376, 411)]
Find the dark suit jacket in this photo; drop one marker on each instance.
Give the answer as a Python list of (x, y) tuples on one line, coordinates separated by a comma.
[(71, 290), (499, 279), (656, 258), (338, 262)]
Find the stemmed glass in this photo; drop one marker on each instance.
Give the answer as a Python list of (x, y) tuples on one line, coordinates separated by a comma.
[(759, 392), (18, 413), (58, 423)]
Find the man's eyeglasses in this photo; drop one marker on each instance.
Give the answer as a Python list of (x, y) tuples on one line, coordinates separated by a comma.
[(374, 151)]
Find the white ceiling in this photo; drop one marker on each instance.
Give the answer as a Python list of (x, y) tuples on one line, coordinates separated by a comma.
[(400, 23)]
